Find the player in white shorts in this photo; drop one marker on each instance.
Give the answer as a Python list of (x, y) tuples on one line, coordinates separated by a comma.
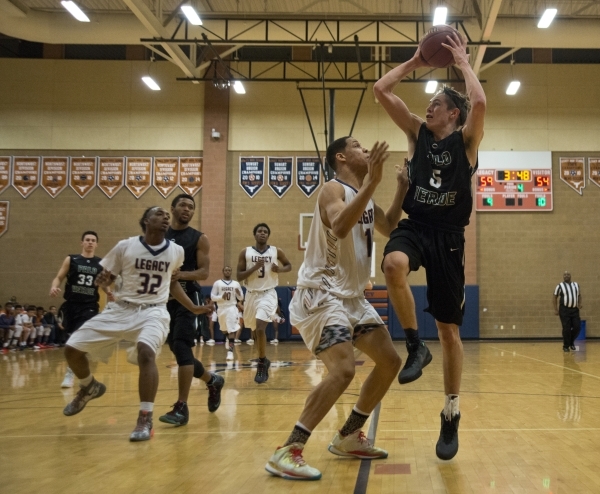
[(258, 268), (145, 264), (226, 293), (329, 307)]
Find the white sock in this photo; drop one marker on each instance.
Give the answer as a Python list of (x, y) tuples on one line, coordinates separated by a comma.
[(451, 406), (146, 406), (86, 381), (302, 426)]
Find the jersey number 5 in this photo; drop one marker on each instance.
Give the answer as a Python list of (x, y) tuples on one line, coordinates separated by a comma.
[(147, 287), (436, 179)]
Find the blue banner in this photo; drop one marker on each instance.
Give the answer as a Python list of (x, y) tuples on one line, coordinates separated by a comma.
[(308, 175), (252, 178), (280, 174)]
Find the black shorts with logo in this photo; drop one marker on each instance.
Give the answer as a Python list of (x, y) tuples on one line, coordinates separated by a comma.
[(442, 254), (75, 315), (184, 324)]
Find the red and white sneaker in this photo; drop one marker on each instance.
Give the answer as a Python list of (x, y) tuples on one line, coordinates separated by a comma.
[(287, 463), (356, 445)]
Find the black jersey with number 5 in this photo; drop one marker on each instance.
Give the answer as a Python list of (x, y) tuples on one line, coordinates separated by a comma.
[(80, 287), (439, 173)]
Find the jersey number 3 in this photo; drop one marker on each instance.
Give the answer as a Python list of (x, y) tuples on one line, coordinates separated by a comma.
[(148, 287)]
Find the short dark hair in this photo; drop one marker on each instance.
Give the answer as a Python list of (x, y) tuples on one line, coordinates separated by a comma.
[(182, 196), (456, 100), (145, 216), (89, 232), (39, 308), (334, 148), (52, 307), (258, 226), (18, 306), (30, 307)]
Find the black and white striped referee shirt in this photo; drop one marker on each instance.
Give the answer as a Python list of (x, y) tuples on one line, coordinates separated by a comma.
[(568, 292)]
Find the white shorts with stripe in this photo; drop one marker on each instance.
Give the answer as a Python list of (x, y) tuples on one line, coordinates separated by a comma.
[(228, 319), (259, 305), (311, 310), (134, 323)]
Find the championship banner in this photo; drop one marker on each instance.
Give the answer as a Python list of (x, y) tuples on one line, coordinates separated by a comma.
[(83, 175), (111, 175), (252, 170), (4, 208), (280, 175), (572, 172), (54, 175), (593, 171), (190, 175), (166, 175), (308, 175), (4, 173), (26, 174), (138, 175)]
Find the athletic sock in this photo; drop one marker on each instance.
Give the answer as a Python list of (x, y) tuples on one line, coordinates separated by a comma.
[(146, 406), (355, 422), (451, 406), (85, 382), (300, 434), (212, 380), (412, 337)]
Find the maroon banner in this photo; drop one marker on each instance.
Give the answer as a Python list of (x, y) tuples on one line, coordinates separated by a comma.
[(4, 173), (111, 175), (26, 174), (166, 175), (54, 175), (190, 175), (138, 176), (4, 210)]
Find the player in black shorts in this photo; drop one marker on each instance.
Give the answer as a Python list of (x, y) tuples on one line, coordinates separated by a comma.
[(81, 293), (183, 322), (442, 153)]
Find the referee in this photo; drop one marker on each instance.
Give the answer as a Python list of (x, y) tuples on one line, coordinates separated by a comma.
[(567, 302)]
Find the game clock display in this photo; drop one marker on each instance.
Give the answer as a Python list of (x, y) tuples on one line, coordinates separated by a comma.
[(514, 190)]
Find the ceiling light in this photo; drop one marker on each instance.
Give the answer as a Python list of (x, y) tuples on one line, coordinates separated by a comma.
[(150, 83), (238, 87), (547, 18), (431, 87), (191, 14), (513, 87), (75, 11), (439, 17)]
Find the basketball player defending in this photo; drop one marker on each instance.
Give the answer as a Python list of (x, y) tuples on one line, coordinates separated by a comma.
[(183, 326), (258, 267), (146, 265), (442, 150), (226, 293), (329, 307), (81, 292)]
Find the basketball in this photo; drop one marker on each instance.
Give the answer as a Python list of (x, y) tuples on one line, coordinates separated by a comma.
[(431, 47)]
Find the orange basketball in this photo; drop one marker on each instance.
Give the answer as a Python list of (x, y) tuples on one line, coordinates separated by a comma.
[(431, 47)]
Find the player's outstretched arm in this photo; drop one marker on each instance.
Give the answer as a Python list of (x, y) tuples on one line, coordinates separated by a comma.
[(60, 276), (386, 222), (341, 216), (392, 104), (178, 294)]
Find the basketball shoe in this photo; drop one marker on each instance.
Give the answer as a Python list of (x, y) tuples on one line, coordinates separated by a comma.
[(262, 371), (356, 445), (447, 445), (287, 462), (180, 414), (214, 392), (68, 380), (92, 391), (419, 356), (250, 341), (229, 355), (143, 430)]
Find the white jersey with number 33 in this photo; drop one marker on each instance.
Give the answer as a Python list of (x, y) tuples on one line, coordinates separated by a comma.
[(145, 270), (340, 266), (263, 278)]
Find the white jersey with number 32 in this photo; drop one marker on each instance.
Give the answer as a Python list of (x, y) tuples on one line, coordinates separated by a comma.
[(340, 266), (145, 270), (263, 278)]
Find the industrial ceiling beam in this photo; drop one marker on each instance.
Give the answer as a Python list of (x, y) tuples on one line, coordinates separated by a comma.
[(486, 34)]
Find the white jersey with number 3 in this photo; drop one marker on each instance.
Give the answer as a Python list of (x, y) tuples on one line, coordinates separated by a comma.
[(340, 266), (145, 270), (264, 278)]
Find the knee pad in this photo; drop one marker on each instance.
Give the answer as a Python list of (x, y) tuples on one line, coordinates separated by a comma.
[(198, 369), (183, 353)]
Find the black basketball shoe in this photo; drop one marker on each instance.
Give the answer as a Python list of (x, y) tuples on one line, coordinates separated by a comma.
[(180, 415), (419, 356), (447, 445), (262, 371), (214, 392)]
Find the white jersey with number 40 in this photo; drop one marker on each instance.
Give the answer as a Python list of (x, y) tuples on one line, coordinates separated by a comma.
[(263, 278), (225, 293), (340, 266), (145, 270)]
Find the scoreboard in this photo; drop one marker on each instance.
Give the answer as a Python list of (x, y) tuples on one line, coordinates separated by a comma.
[(514, 181)]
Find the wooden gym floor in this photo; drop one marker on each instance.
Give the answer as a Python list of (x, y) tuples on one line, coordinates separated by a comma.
[(530, 423)]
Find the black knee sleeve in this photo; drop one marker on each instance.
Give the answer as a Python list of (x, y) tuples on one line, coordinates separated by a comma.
[(183, 353), (198, 369)]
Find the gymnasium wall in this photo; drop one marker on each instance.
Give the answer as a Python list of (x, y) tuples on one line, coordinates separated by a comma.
[(516, 259)]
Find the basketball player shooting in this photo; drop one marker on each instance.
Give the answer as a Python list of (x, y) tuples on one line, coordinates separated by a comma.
[(442, 154)]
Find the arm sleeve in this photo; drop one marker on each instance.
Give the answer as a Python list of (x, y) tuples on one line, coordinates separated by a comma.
[(557, 291)]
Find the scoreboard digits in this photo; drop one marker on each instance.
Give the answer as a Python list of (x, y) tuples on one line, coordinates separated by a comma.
[(514, 190)]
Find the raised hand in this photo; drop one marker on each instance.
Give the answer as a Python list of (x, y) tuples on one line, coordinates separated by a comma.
[(105, 278), (457, 44), (377, 156)]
